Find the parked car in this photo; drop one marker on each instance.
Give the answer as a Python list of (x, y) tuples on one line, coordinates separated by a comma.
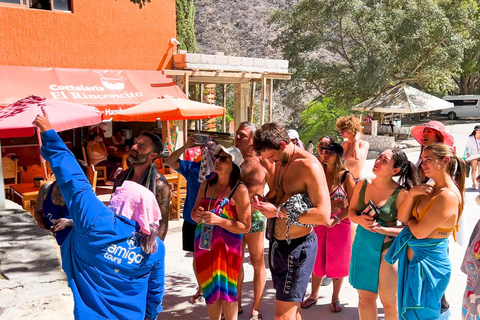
[(464, 106)]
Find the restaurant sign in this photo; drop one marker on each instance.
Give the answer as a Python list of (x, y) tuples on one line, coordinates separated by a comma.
[(108, 90)]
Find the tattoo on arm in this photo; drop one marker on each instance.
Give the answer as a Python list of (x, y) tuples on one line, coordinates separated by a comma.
[(163, 199)]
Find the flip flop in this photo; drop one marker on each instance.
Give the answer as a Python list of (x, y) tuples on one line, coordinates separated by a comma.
[(336, 307), (196, 298), (308, 303)]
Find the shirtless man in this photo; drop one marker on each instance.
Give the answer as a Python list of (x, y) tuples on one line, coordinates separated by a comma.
[(298, 178), (254, 175), (356, 149)]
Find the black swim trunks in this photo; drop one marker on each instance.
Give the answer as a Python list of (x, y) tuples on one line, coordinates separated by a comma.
[(291, 266)]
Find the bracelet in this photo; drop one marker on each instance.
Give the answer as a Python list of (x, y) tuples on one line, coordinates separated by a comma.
[(279, 213), (337, 218)]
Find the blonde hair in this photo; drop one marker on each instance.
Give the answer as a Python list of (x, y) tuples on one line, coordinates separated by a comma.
[(456, 167), (351, 123)]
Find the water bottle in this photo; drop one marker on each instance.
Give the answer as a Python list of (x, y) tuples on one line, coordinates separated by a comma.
[(207, 229)]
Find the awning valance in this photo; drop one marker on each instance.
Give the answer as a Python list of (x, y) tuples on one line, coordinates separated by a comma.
[(108, 90)]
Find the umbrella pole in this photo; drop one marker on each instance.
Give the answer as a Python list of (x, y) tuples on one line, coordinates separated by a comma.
[(42, 161), (169, 137), (2, 185)]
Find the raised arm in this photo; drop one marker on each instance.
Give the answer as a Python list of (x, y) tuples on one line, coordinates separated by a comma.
[(405, 210), (360, 147), (172, 160), (83, 205)]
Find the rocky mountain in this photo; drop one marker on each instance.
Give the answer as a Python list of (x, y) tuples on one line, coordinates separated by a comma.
[(241, 28)]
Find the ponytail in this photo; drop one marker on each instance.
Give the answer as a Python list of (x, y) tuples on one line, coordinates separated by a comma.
[(458, 173), (408, 175)]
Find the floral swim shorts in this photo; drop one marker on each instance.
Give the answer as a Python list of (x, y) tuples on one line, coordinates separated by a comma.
[(259, 222)]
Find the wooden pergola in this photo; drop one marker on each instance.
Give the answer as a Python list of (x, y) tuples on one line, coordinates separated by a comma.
[(243, 74)]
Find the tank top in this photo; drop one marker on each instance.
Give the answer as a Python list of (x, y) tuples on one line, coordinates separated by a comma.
[(207, 202), (388, 212), (94, 157)]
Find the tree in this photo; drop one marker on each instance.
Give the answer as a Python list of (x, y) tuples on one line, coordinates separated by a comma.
[(140, 3), (345, 51), (351, 49), (186, 25)]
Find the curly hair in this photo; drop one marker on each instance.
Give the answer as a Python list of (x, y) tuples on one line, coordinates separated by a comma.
[(351, 123)]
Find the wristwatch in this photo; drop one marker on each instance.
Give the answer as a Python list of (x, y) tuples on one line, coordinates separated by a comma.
[(337, 218)]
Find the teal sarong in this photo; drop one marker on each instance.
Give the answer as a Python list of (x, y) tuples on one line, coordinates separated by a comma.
[(365, 262), (423, 280)]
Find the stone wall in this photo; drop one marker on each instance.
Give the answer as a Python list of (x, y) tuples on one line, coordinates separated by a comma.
[(380, 143)]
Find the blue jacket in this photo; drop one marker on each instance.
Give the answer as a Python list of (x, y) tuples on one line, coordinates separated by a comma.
[(109, 274)]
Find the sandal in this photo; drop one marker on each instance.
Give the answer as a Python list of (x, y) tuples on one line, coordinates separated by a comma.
[(336, 307), (308, 303), (196, 298), (257, 316)]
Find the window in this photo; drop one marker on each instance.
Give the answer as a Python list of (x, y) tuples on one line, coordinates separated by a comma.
[(464, 102), (60, 5)]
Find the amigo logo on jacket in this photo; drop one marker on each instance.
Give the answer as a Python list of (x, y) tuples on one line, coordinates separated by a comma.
[(117, 253)]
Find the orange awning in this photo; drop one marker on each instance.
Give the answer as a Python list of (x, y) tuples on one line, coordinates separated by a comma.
[(108, 90)]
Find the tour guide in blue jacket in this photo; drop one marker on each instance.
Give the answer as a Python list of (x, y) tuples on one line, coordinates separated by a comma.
[(111, 277)]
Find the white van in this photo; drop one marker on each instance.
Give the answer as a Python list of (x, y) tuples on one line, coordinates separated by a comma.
[(464, 106)]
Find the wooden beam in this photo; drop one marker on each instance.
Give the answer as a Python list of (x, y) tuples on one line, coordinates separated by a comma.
[(262, 102), (270, 102), (224, 118), (252, 102), (185, 84), (232, 75)]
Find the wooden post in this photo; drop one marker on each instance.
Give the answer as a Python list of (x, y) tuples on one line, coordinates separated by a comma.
[(224, 119), (262, 103), (252, 101), (270, 105), (241, 102)]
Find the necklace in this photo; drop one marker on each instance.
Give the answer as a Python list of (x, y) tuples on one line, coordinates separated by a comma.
[(280, 180), (213, 194)]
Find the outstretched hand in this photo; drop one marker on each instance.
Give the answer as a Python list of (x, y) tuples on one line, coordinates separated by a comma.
[(42, 121)]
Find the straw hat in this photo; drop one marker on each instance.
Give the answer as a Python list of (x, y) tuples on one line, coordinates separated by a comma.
[(417, 132)]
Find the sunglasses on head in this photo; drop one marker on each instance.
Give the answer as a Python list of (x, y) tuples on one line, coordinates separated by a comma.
[(221, 158)]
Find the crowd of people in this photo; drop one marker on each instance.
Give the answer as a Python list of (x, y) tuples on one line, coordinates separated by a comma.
[(321, 216)]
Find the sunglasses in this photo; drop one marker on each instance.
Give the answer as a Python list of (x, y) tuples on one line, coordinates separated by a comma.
[(221, 158)]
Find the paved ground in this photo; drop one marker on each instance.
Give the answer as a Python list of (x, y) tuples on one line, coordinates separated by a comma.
[(32, 285)]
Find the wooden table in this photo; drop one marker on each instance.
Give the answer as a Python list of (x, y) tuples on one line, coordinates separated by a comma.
[(123, 155), (27, 192)]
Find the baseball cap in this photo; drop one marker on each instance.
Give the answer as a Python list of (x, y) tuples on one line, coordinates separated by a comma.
[(293, 134), (334, 148)]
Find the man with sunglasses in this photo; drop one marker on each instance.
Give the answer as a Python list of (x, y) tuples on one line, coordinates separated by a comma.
[(256, 172), (148, 146), (299, 200)]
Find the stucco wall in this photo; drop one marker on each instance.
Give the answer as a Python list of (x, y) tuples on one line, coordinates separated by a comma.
[(103, 34)]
